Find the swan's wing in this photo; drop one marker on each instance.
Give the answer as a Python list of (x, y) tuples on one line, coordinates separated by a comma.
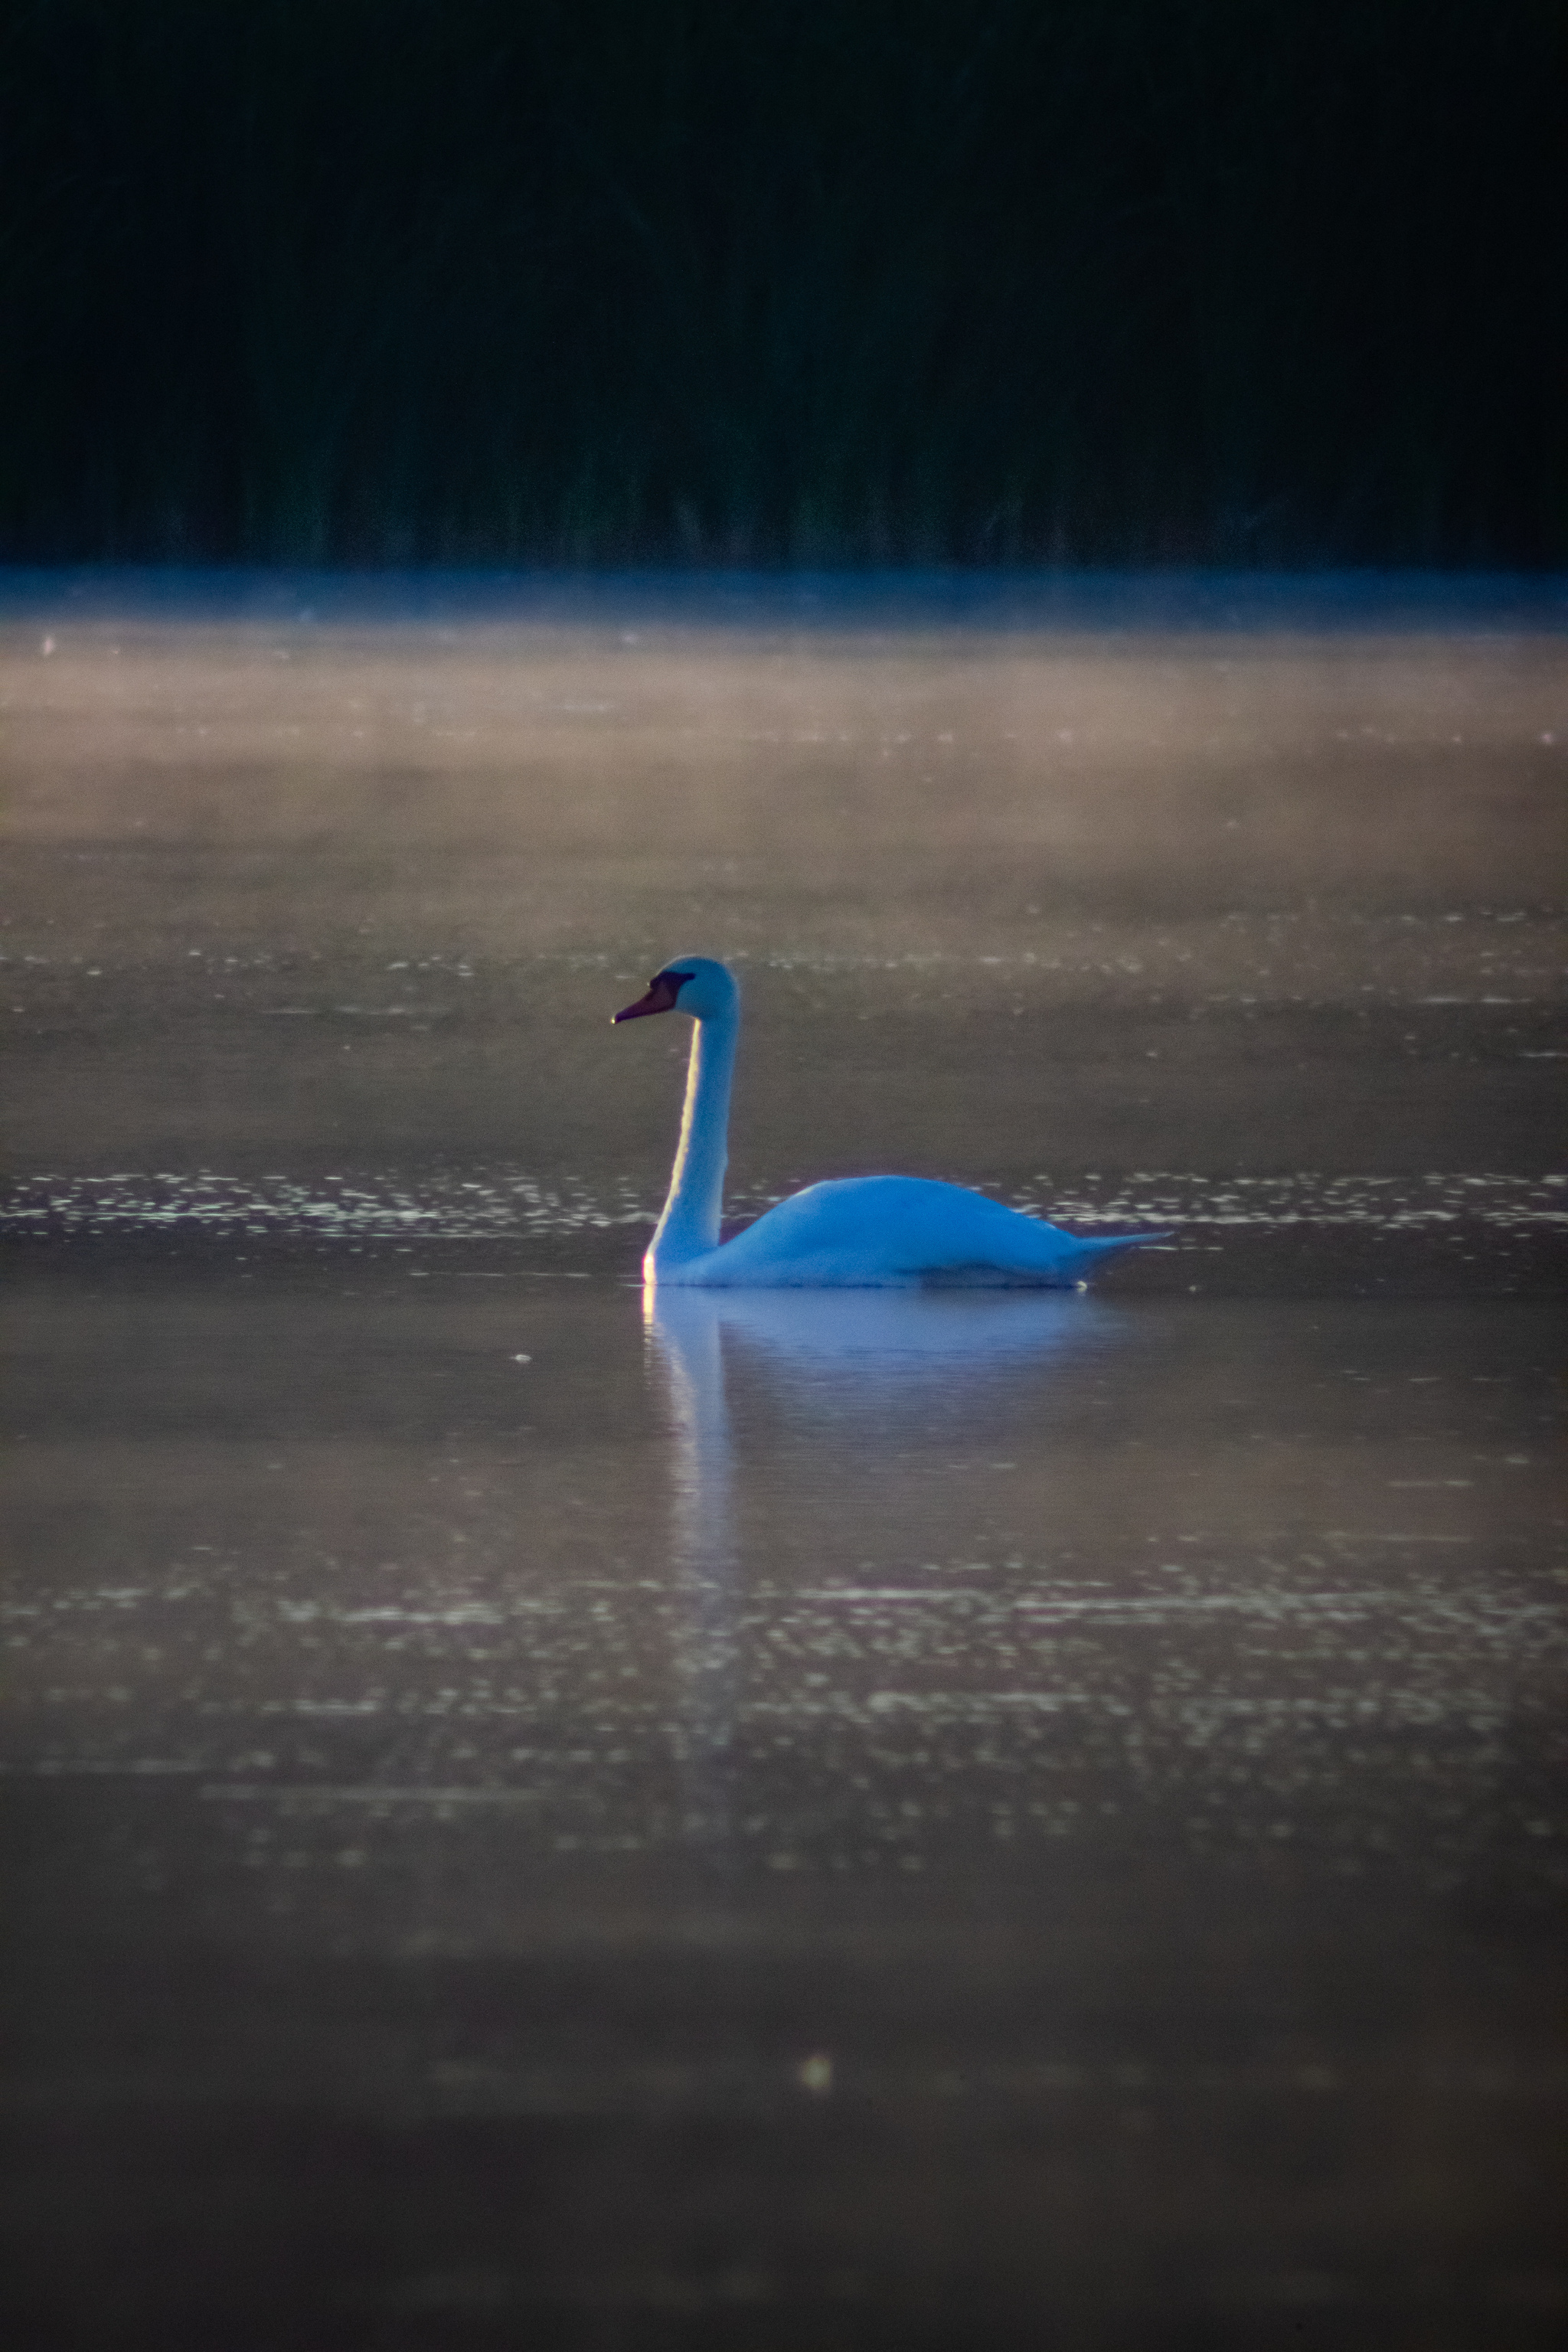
[(880, 1232)]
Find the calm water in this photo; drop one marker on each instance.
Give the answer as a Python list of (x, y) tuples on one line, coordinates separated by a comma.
[(532, 1817)]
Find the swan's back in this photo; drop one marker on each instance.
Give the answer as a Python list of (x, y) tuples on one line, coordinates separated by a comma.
[(893, 1230)]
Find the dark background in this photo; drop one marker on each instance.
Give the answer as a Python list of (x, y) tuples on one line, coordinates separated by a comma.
[(758, 281)]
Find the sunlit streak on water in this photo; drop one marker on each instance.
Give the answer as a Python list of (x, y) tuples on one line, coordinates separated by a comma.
[(484, 1203)]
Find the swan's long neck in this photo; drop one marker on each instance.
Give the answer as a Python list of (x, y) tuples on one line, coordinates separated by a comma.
[(689, 1225)]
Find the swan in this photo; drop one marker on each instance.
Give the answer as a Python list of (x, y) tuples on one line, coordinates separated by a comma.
[(860, 1233)]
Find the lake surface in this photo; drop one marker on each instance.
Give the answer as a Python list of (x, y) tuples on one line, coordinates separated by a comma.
[(535, 1815)]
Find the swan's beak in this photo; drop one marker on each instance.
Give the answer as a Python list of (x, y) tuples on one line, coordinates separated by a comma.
[(660, 998)]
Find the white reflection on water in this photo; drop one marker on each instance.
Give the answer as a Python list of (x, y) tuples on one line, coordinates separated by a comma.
[(703, 1560), (852, 1364), (486, 1201)]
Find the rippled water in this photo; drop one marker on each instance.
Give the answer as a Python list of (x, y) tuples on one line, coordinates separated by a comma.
[(507, 1202), (868, 1815)]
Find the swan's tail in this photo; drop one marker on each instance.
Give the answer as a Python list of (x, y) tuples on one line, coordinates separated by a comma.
[(1119, 1242)]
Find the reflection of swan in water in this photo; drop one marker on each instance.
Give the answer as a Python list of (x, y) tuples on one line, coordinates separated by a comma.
[(865, 1231), (703, 1558), (887, 1363), (859, 1358)]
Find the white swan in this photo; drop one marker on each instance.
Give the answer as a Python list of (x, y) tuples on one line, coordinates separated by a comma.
[(864, 1232)]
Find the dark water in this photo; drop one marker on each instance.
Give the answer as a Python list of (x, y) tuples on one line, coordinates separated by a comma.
[(902, 1821)]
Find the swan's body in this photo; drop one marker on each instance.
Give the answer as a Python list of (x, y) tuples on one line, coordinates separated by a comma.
[(861, 1232)]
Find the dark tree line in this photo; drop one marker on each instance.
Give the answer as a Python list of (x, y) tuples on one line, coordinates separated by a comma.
[(791, 280)]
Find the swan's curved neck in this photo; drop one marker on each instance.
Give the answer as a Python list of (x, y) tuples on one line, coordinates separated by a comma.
[(689, 1225)]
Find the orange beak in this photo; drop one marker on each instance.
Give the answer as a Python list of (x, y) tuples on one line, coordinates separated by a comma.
[(660, 998)]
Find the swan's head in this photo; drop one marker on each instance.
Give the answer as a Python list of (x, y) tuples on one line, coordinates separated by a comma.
[(694, 984)]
